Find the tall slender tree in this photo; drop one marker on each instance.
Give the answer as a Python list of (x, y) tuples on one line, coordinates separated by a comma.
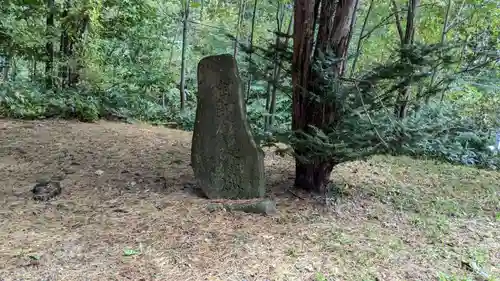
[(276, 74), (250, 44), (49, 47), (182, 85), (406, 37), (241, 13)]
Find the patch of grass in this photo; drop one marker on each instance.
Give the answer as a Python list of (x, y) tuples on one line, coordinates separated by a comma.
[(473, 275), (439, 208), (479, 256), (130, 252), (291, 252), (446, 277), (436, 227), (432, 189), (321, 277), (241, 238), (335, 240)]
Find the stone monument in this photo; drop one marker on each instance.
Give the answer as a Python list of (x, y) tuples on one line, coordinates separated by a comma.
[(226, 160)]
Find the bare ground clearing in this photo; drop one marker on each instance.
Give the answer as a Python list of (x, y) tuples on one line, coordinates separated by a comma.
[(123, 190)]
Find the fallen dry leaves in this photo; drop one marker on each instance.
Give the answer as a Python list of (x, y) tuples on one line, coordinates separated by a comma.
[(124, 214)]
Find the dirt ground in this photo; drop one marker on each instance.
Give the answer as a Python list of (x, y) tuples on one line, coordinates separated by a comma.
[(126, 213)]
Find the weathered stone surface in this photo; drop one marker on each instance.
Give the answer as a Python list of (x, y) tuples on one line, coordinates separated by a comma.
[(226, 161), (262, 206)]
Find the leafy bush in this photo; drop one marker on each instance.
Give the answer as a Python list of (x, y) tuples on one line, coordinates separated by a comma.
[(437, 131), (20, 101), (130, 103), (185, 119), (480, 102), (30, 101), (27, 101), (456, 138)]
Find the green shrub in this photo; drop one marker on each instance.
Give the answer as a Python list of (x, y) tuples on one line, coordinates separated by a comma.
[(462, 139), (31, 101)]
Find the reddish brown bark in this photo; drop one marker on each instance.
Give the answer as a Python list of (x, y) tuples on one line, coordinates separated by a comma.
[(302, 49), (334, 27)]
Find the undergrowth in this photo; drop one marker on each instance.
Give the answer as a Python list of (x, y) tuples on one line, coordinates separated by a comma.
[(87, 104), (25, 100), (458, 133)]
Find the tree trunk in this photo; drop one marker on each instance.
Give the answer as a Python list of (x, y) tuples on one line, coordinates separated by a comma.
[(401, 106), (73, 31), (360, 39), (274, 71), (250, 43), (272, 106), (241, 12), (332, 35), (6, 67), (183, 55), (76, 66), (64, 48), (49, 46), (33, 69), (14, 68)]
